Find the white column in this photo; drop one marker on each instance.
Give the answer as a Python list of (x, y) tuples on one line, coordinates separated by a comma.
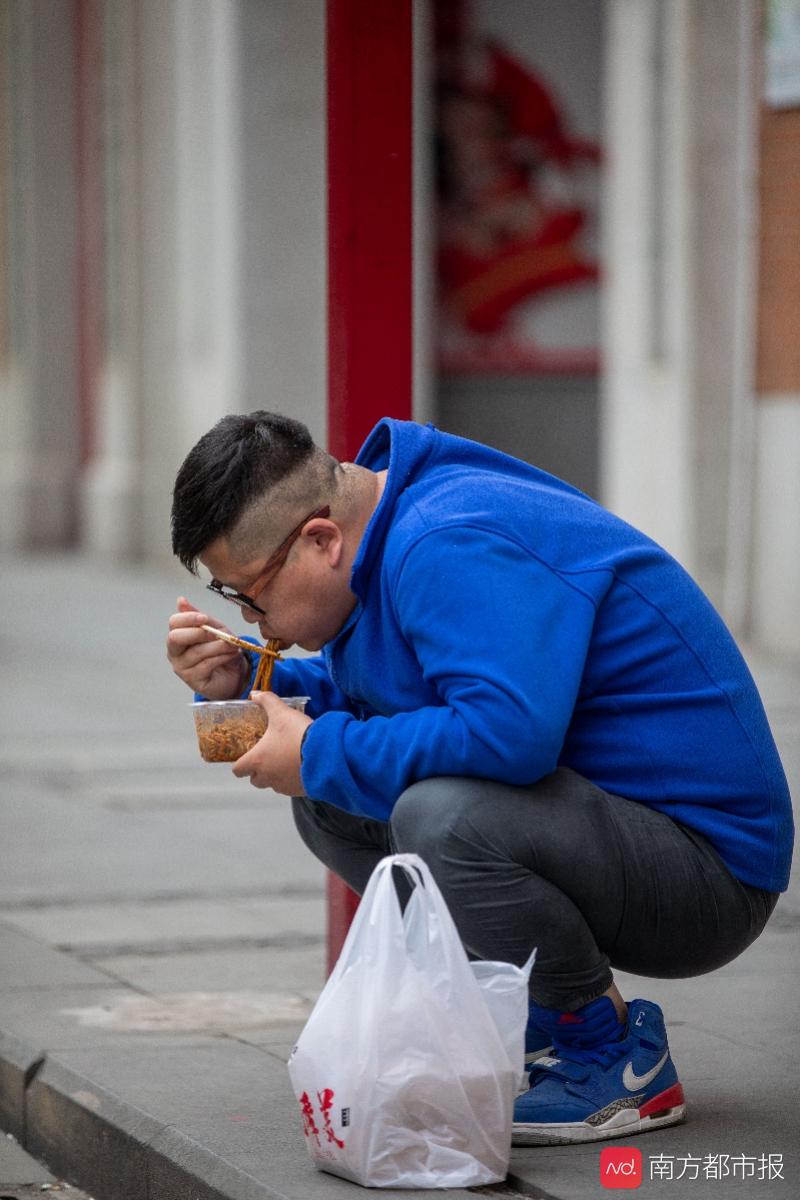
[(111, 483), (740, 526), (646, 452), (16, 145), (39, 432), (776, 527), (726, 69), (190, 245), (208, 209), (680, 328)]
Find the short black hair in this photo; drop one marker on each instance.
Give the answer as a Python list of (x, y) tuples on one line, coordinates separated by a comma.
[(241, 458)]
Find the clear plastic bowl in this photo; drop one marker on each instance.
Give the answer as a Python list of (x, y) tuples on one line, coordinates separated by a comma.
[(227, 729)]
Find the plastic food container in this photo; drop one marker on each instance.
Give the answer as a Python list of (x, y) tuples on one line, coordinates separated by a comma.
[(227, 729)]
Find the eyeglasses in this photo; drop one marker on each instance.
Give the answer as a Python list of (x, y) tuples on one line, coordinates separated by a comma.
[(271, 567)]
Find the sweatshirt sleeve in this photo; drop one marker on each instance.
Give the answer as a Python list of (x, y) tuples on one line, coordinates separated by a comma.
[(501, 638)]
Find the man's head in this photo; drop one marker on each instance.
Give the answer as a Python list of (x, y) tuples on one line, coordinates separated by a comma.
[(250, 485), (249, 470)]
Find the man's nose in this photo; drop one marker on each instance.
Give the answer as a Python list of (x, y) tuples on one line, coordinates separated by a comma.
[(250, 615)]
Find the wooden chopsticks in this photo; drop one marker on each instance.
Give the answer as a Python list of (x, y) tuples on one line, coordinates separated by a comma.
[(268, 654)]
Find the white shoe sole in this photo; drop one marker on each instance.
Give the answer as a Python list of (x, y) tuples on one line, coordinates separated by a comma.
[(622, 1123)]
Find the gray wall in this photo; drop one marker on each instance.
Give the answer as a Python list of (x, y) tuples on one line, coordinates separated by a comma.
[(550, 422)]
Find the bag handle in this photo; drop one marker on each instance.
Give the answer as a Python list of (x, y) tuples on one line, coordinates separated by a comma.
[(379, 919)]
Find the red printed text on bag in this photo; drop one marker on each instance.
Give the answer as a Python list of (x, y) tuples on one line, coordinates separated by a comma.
[(310, 1127)]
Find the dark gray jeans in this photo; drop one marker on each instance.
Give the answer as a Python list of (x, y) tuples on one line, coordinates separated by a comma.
[(592, 880)]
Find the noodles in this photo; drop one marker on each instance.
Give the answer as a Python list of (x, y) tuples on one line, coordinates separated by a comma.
[(263, 678), (228, 729)]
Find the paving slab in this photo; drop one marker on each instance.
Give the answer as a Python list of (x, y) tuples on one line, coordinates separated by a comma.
[(278, 1041), (87, 928), (19, 1169), (55, 1019), (28, 963), (146, 852), (274, 967)]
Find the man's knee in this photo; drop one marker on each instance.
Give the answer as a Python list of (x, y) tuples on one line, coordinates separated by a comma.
[(433, 813), (468, 818)]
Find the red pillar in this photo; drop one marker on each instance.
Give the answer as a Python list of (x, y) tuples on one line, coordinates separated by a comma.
[(369, 73)]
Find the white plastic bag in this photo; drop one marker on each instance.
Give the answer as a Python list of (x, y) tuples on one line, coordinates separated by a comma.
[(505, 990), (401, 1075)]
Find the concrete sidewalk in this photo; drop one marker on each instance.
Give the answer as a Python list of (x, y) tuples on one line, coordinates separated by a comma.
[(161, 940)]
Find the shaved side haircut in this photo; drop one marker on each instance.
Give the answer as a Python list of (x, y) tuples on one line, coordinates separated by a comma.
[(232, 469)]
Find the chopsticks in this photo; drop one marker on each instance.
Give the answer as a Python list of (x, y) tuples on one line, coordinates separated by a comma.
[(267, 653)]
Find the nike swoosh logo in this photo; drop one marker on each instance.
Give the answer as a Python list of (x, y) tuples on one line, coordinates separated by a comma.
[(633, 1081)]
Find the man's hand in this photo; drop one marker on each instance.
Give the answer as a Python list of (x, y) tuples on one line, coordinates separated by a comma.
[(208, 665), (274, 761)]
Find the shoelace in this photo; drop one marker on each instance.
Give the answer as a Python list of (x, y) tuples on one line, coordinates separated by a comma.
[(604, 1055)]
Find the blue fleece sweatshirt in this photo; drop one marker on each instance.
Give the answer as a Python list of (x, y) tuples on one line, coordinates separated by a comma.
[(506, 625)]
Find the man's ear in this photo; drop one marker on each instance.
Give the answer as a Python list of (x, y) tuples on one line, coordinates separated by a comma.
[(327, 537)]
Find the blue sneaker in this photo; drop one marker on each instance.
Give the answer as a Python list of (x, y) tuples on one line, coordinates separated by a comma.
[(538, 1044), (611, 1090), (538, 1041)]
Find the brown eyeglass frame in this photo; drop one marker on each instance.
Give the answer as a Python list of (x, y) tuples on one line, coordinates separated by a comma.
[(271, 567)]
